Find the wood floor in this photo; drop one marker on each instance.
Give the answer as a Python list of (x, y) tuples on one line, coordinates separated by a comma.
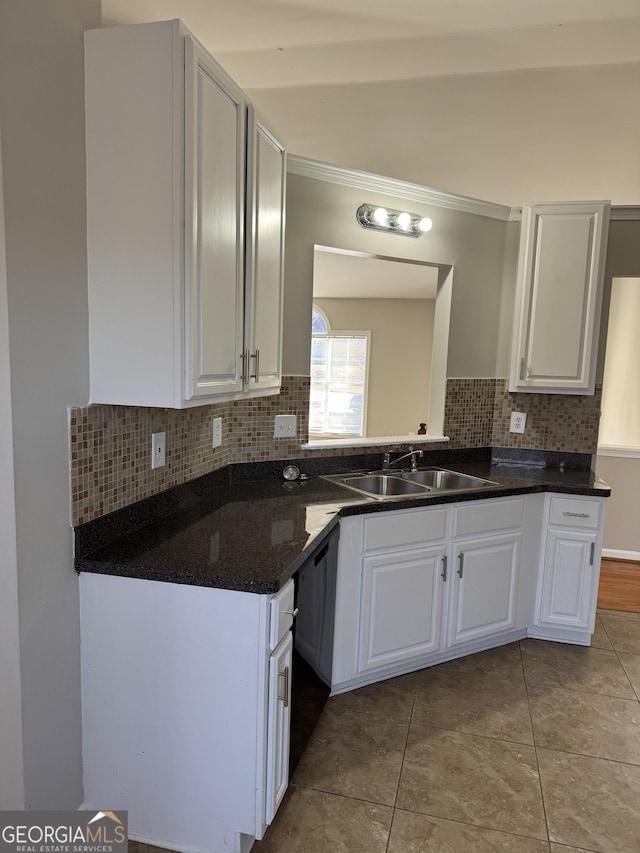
[(619, 585)]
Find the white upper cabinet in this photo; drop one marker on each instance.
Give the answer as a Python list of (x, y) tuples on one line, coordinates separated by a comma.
[(266, 173), (558, 297), (172, 308)]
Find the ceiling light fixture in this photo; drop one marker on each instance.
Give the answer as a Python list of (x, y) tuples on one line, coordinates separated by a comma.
[(392, 221)]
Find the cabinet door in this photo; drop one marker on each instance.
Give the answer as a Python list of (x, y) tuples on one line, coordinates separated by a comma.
[(400, 606), (558, 300), (279, 725), (485, 581), (266, 173), (214, 226), (568, 578)]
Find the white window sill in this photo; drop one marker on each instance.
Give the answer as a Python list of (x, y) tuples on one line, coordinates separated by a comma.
[(375, 441)]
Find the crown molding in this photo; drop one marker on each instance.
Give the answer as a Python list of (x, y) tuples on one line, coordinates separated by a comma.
[(390, 186), (628, 212), (425, 195)]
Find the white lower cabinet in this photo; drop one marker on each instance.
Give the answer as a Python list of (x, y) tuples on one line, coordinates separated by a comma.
[(279, 725), (484, 588), (185, 709), (419, 586), (401, 606), (570, 569)]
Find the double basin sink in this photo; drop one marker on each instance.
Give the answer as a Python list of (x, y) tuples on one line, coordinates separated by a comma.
[(388, 484)]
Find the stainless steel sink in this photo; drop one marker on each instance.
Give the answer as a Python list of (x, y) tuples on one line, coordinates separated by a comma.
[(443, 480), (386, 485), (380, 486)]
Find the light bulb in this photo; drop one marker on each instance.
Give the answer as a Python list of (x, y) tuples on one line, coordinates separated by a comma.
[(425, 224), (380, 215), (403, 220)]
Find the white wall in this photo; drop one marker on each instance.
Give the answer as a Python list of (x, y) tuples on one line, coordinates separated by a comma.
[(526, 136), (42, 126)]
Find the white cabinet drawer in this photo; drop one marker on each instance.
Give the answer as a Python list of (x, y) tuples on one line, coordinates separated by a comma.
[(574, 513), (281, 613), (482, 516), (404, 528)]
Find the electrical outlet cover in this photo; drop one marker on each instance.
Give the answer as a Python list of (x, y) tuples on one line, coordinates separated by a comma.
[(518, 422), (216, 432), (158, 444)]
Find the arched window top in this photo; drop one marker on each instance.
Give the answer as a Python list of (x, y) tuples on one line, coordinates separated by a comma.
[(319, 322)]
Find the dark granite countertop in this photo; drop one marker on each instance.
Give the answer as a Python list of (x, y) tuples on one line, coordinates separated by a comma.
[(252, 536)]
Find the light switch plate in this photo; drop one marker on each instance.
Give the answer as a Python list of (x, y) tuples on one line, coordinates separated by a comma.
[(285, 426), (518, 422)]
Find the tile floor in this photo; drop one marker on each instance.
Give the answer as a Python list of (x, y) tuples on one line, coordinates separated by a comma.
[(530, 748)]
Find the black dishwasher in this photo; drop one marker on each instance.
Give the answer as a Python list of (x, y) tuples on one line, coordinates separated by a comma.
[(313, 642)]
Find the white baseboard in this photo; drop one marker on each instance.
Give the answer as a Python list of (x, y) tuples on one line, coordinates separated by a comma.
[(614, 554)]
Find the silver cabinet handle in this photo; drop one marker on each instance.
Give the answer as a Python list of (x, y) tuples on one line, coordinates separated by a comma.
[(245, 366), (443, 574), (461, 566), (293, 612), (522, 368), (593, 553), (285, 697), (256, 357), (576, 514)]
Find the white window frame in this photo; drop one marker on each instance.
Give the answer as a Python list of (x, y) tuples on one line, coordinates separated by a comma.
[(365, 388)]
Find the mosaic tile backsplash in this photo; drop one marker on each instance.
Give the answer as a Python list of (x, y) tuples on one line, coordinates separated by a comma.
[(110, 445)]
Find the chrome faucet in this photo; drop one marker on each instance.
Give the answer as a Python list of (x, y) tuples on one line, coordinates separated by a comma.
[(414, 454)]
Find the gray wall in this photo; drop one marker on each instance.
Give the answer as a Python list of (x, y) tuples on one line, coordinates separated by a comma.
[(11, 776), (323, 213), (42, 126)]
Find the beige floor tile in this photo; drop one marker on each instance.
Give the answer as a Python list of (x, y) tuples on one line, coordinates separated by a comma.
[(475, 703), (562, 848), (504, 661), (586, 723), (315, 822), (599, 638), (472, 779), (575, 668), (623, 632), (590, 802), (417, 833), (392, 699), (631, 664), (354, 755)]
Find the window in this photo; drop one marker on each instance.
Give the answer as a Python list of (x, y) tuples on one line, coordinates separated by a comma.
[(339, 363)]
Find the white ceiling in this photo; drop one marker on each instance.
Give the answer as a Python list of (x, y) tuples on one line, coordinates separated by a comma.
[(508, 100), (351, 275)]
